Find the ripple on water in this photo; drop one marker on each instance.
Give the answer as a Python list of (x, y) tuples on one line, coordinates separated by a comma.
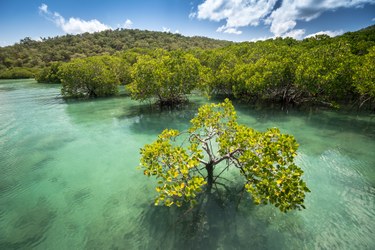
[(81, 195), (29, 227), (8, 186), (348, 219), (2, 212), (19, 175), (77, 198), (119, 226), (7, 126)]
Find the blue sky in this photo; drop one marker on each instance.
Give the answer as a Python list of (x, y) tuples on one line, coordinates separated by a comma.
[(236, 20)]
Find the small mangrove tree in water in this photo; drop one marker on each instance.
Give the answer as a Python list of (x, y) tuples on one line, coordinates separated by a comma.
[(190, 164), (90, 77), (167, 77)]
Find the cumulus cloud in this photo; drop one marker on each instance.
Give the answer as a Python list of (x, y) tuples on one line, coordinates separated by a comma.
[(286, 16), (281, 18), (236, 13), (128, 24), (327, 32), (73, 25)]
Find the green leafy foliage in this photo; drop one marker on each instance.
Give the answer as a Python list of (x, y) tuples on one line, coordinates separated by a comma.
[(265, 160), (18, 73), (49, 74), (270, 76), (89, 77), (364, 77), (325, 72), (221, 63), (175, 168), (167, 76)]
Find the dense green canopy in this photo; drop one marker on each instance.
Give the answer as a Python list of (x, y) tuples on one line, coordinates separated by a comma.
[(89, 77), (166, 76)]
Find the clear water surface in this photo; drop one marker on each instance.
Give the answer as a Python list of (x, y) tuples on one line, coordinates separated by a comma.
[(68, 178)]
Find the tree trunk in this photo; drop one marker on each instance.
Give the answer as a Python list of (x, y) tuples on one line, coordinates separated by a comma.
[(210, 176)]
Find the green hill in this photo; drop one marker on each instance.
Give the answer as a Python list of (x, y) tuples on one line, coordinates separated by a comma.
[(29, 53)]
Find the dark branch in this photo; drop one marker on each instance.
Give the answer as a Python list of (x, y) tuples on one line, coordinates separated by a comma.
[(227, 156), (223, 178), (226, 168), (221, 184)]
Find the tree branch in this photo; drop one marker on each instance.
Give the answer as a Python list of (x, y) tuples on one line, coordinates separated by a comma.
[(221, 173), (205, 147), (225, 186), (241, 195), (202, 161), (237, 164), (196, 169), (223, 178), (227, 156)]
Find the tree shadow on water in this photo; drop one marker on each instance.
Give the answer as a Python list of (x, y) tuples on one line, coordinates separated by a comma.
[(213, 224), (343, 122), (152, 119)]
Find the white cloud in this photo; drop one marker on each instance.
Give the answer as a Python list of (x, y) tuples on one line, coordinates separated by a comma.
[(192, 15), (285, 18), (327, 32), (229, 30), (373, 19), (166, 29), (128, 24), (261, 38), (77, 26), (236, 13), (73, 25), (43, 8), (281, 19), (296, 34), (4, 43)]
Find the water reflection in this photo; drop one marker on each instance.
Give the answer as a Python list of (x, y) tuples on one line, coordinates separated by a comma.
[(212, 226), (152, 119)]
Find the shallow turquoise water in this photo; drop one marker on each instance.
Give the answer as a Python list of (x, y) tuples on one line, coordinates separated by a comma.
[(68, 179)]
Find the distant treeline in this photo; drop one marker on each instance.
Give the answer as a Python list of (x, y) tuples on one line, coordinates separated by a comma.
[(317, 70)]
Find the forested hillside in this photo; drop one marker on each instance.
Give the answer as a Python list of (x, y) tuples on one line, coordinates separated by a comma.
[(35, 54)]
